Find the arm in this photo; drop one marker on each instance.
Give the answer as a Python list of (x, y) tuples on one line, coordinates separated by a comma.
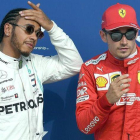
[(91, 111), (64, 65), (68, 61)]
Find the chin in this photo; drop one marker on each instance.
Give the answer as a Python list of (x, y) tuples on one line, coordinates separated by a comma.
[(123, 57), (26, 54)]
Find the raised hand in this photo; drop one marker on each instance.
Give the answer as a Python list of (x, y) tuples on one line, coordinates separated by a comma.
[(117, 88), (37, 15)]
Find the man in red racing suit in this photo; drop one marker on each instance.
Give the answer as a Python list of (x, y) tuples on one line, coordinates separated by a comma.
[(108, 92)]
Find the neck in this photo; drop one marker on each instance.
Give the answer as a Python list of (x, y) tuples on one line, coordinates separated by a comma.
[(1, 47)]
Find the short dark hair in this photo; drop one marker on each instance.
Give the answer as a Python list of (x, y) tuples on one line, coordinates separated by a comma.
[(12, 16)]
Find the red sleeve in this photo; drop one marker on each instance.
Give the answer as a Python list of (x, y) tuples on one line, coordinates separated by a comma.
[(91, 111)]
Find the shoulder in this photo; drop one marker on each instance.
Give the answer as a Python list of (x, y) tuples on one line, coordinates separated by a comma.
[(33, 56), (37, 57), (96, 60)]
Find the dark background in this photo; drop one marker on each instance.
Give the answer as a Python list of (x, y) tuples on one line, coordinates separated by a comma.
[(81, 20)]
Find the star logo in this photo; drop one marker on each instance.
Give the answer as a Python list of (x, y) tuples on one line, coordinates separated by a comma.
[(3, 74), (122, 13)]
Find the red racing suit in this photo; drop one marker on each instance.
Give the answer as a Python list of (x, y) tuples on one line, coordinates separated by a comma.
[(94, 114)]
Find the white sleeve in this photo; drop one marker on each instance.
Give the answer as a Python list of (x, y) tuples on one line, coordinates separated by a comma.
[(64, 65)]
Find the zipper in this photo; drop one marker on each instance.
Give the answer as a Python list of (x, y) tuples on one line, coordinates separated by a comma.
[(128, 136), (26, 102)]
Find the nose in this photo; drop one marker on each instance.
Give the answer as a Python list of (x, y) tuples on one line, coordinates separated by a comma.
[(123, 40)]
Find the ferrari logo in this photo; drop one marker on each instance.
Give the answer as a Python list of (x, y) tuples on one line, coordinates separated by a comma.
[(139, 77), (122, 13)]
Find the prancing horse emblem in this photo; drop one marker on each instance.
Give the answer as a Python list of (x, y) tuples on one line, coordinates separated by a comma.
[(122, 13)]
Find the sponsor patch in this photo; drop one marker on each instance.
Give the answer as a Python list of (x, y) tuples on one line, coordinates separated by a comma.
[(81, 92), (41, 48), (82, 95), (3, 74), (101, 69), (132, 61), (3, 61), (82, 84), (6, 98), (114, 75), (16, 95), (6, 81), (82, 98), (127, 99), (96, 61), (101, 82), (139, 77), (20, 106), (91, 125), (8, 88), (3, 90), (33, 80)]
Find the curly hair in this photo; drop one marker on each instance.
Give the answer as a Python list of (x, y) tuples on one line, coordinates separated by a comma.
[(12, 16)]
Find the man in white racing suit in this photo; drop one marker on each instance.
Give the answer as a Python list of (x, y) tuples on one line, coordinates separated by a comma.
[(22, 73)]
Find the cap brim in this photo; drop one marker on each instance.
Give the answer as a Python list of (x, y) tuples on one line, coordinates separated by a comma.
[(119, 25)]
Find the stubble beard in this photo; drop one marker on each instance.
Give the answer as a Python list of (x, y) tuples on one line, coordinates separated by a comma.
[(15, 44)]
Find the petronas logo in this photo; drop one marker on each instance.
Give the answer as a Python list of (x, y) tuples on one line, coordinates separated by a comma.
[(20, 64)]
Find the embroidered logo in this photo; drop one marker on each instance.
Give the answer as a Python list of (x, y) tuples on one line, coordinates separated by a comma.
[(3, 74), (101, 69), (16, 95), (114, 76), (101, 82), (139, 77), (20, 64), (132, 61), (122, 13), (128, 99), (96, 61)]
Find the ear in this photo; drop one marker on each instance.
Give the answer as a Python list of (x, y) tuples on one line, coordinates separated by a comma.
[(103, 36), (137, 33), (7, 29)]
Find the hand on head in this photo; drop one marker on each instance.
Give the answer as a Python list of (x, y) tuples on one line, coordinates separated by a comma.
[(37, 15)]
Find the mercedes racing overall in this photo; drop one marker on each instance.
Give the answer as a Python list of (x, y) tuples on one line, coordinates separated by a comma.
[(21, 91)]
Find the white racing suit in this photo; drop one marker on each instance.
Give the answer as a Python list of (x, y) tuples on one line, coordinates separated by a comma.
[(21, 91)]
